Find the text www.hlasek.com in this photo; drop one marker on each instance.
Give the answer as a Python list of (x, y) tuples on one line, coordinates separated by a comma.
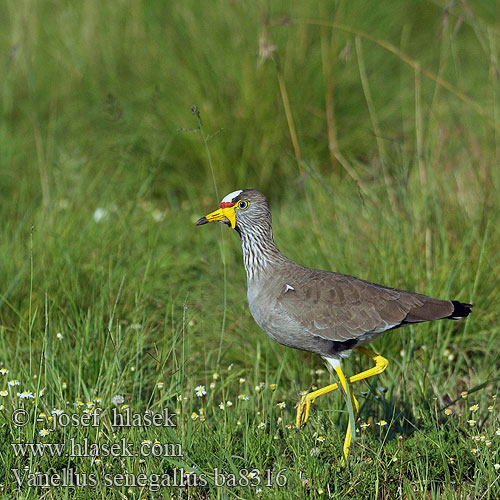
[(86, 448)]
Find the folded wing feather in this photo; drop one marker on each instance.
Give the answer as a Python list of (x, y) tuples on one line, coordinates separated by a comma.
[(339, 307)]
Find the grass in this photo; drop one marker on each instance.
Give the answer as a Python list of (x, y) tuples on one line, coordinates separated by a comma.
[(377, 144)]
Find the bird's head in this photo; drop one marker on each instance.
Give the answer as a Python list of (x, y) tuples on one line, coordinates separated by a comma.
[(242, 209)]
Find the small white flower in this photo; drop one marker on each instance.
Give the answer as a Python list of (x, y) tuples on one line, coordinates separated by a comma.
[(222, 406), (262, 425), (44, 432), (242, 380), (243, 397), (25, 395), (229, 403), (158, 215), (13, 382), (117, 400), (136, 326), (59, 335), (160, 385), (200, 391), (4, 393), (55, 411), (100, 214), (3, 371), (496, 466), (215, 376), (281, 405)]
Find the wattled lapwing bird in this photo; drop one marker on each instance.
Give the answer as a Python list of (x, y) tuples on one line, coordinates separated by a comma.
[(319, 311)]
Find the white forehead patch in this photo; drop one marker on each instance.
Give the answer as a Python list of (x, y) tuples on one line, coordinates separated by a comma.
[(229, 198)]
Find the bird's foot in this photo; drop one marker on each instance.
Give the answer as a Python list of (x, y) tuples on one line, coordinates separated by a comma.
[(303, 410)]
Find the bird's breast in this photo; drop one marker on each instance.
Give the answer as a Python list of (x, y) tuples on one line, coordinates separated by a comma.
[(272, 319), (262, 304)]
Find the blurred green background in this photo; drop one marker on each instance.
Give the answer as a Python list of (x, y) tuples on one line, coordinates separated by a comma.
[(351, 140), (372, 127), (105, 87)]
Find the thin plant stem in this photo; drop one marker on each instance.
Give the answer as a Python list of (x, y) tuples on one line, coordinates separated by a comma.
[(206, 138), (408, 60), (375, 124)]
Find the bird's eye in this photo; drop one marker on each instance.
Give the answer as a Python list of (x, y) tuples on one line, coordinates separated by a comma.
[(243, 204)]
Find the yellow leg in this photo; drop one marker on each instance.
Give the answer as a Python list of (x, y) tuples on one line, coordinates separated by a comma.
[(381, 364), (349, 394), (304, 406)]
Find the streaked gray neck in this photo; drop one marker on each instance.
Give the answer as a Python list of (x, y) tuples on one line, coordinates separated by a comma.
[(260, 253)]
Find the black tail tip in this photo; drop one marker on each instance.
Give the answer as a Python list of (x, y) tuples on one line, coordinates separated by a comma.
[(460, 310)]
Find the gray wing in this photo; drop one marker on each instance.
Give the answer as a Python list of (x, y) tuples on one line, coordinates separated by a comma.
[(338, 307)]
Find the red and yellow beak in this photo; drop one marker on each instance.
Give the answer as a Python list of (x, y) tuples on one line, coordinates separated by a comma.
[(223, 214)]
